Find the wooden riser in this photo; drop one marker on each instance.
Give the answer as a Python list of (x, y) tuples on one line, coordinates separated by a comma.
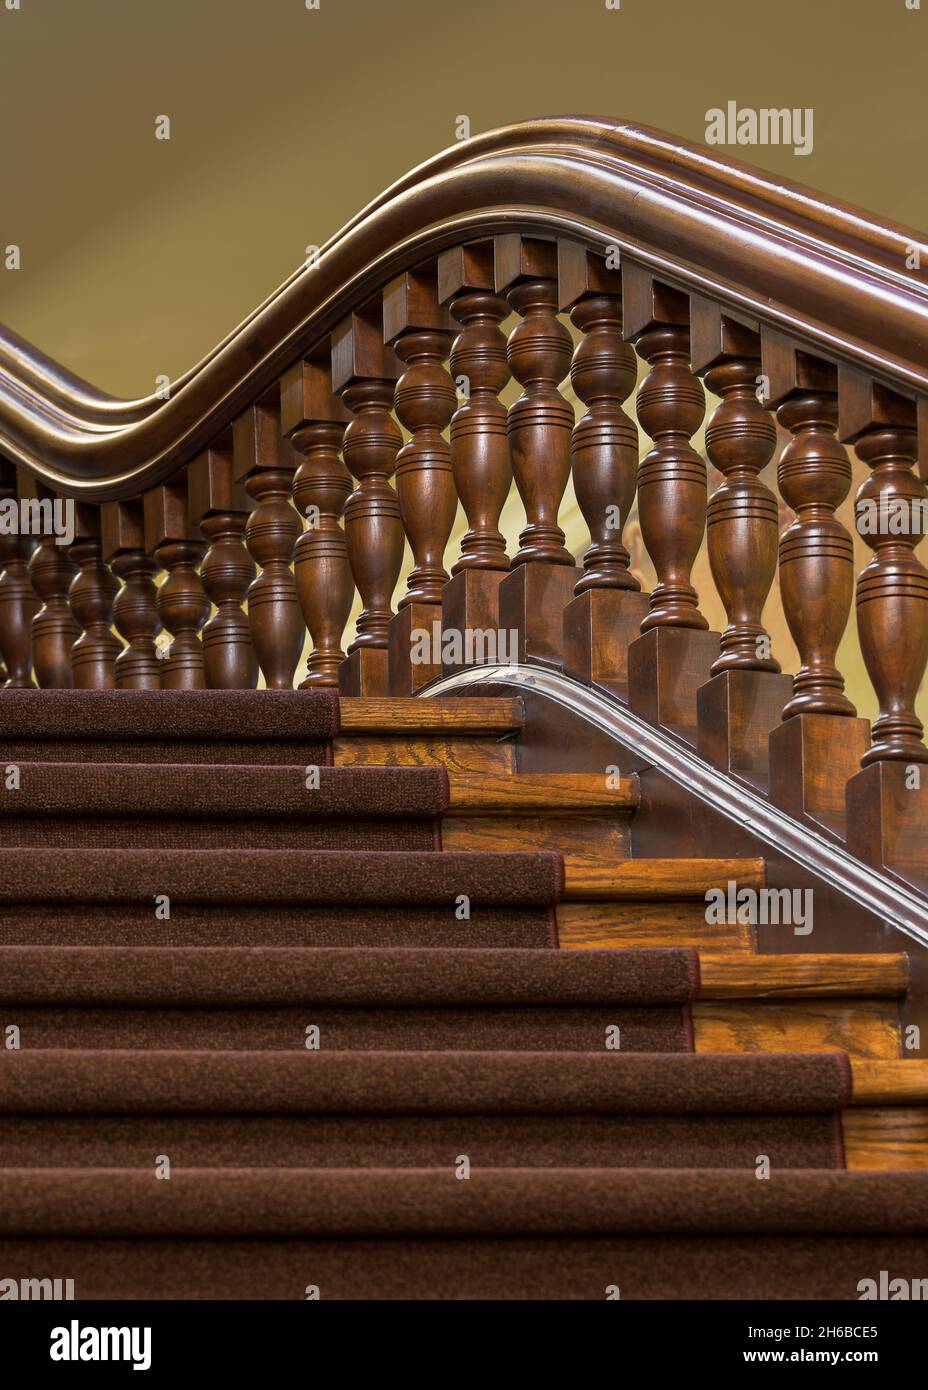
[(478, 753), (670, 922), (592, 838), (862, 1028), (574, 793), (396, 718), (649, 880), (892, 1138)]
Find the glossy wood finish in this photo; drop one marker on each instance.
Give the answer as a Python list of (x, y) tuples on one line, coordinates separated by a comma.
[(890, 1082), (816, 555), (314, 419), (604, 446), (893, 1138), (781, 251), (364, 373), (580, 793), (497, 716), (863, 1028), (741, 518), (887, 819), (671, 922), (182, 605), (736, 976), (18, 601), (265, 464), (671, 476), (220, 506), (892, 591), (540, 422), (51, 571), (479, 442), (135, 608), (645, 879), (91, 595)]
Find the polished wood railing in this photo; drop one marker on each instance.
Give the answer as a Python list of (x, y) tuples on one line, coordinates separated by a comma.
[(350, 414)]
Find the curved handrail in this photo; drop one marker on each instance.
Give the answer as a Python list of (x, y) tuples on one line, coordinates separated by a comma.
[(828, 274)]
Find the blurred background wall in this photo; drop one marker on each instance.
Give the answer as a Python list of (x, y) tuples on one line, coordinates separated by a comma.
[(139, 254)]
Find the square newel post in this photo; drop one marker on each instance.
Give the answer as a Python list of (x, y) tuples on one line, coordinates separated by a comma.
[(364, 374), (820, 742), (480, 461), (605, 615), (532, 598), (420, 331), (743, 699), (887, 802), (671, 659)]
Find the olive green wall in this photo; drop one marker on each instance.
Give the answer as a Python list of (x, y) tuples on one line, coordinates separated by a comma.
[(139, 254)]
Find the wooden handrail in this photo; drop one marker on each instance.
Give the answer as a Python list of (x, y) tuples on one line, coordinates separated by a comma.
[(828, 274)]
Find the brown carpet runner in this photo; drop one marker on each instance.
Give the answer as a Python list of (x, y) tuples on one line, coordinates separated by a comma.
[(366, 1067)]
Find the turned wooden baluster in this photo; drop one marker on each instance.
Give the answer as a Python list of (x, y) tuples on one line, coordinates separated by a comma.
[(314, 420), (219, 506), (540, 422), (742, 521), (604, 448), (18, 603), (51, 571), (892, 590), (364, 374), (266, 464), (135, 609), (479, 441), (672, 476), (816, 554), (419, 330), (91, 595), (182, 605)]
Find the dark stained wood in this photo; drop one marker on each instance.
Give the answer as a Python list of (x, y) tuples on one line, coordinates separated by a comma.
[(314, 419), (892, 590), (666, 667), (420, 331), (815, 552), (741, 518), (469, 603), (91, 595), (51, 571), (672, 476), (182, 605), (532, 599), (135, 608), (811, 758), (540, 422), (265, 464), (887, 818), (18, 601), (364, 373), (479, 442), (604, 447), (599, 625), (589, 837), (735, 712), (219, 506)]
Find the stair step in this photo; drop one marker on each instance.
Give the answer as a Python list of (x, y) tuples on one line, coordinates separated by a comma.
[(577, 793), (888, 1138), (129, 1082), (863, 1028), (668, 922), (318, 1203), (394, 977), (738, 975), (410, 717), (649, 879)]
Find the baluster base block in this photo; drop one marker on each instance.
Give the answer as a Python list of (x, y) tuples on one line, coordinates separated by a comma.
[(469, 604), (666, 667), (364, 673), (812, 758), (599, 627), (532, 600), (736, 711), (406, 676), (887, 819)]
